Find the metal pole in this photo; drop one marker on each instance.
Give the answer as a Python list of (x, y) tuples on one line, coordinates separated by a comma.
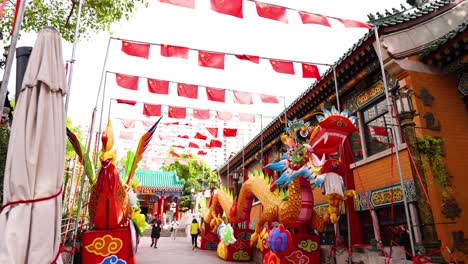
[(11, 53), (100, 118), (72, 60), (261, 139), (395, 141), (109, 111), (336, 90), (88, 148), (285, 114)]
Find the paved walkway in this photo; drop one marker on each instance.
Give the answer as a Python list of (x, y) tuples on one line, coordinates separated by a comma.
[(177, 251)]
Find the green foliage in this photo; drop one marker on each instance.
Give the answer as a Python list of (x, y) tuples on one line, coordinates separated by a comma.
[(4, 138), (194, 173), (96, 15), (431, 148), (70, 152)]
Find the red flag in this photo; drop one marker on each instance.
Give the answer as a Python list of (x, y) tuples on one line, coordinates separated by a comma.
[(214, 144), (231, 7), (157, 86), (147, 123), (211, 59), (174, 154), (173, 123), (187, 90), (353, 23), (177, 112), (127, 123), (184, 136), (308, 18), (225, 116), (193, 145), (243, 117), (151, 110), (310, 71), (277, 13), (282, 66), (136, 49), (213, 131), (126, 135), (269, 99), (200, 136), (122, 101), (218, 95), (201, 152), (174, 51), (229, 132), (201, 114), (178, 146), (127, 81), (183, 3), (254, 59), (242, 97)]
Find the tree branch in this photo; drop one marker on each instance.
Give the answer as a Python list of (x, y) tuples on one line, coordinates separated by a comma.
[(70, 14)]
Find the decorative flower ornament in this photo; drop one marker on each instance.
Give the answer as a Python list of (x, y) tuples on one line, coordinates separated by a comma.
[(226, 234), (279, 240)]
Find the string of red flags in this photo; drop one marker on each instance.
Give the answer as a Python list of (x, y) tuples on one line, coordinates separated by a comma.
[(269, 11), (190, 91), (215, 60)]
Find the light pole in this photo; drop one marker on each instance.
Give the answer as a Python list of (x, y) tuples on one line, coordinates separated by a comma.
[(406, 113)]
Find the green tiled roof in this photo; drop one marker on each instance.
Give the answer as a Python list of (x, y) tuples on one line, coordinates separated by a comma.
[(159, 179), (395, 17), (447, 37)]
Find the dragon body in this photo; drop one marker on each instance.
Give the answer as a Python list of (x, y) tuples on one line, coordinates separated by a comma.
[(289, 199)]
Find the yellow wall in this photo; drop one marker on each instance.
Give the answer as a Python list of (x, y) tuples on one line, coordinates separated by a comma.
[(448, 108)]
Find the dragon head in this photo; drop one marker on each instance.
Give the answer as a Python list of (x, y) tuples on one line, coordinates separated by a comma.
[(332, 130)]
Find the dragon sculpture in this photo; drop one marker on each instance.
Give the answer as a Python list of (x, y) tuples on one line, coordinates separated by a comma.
[(289, 199)]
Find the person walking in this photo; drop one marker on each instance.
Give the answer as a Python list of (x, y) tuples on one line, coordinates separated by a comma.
[(155, 231), (194, 231), (174, 228)]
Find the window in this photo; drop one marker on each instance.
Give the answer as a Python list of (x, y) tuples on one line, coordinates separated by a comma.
[(367, 226), (377, 128), (388, 222), (374, 125)]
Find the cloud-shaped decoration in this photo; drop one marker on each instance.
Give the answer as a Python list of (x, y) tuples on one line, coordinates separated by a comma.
[(261, 242), (279, 240), (245, 235), (308, 245), (239, 245), (211, 245), (105, 246), (271, 258), (222, 250), (113, 259), (241, 255), (132, 198), (226, 234), (298, 257)]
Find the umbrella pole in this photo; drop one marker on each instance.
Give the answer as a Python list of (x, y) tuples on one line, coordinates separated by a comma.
[(11, 53), (72, 60), (88, 148)]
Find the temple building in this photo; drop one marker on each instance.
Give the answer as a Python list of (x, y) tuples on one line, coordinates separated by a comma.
[(159, 192), (424, 51)]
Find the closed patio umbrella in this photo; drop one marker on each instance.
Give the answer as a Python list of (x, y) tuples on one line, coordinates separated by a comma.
[(31, 216)]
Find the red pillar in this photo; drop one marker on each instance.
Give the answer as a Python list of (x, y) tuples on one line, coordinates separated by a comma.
[(155, 208), (161, 206), (354, 220), (176, 217)]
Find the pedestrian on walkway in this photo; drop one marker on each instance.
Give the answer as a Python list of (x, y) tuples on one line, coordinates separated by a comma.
[(194, 231), (174, 228), (155, 231)]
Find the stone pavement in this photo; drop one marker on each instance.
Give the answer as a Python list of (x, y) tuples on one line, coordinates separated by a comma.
[(177, 251)]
